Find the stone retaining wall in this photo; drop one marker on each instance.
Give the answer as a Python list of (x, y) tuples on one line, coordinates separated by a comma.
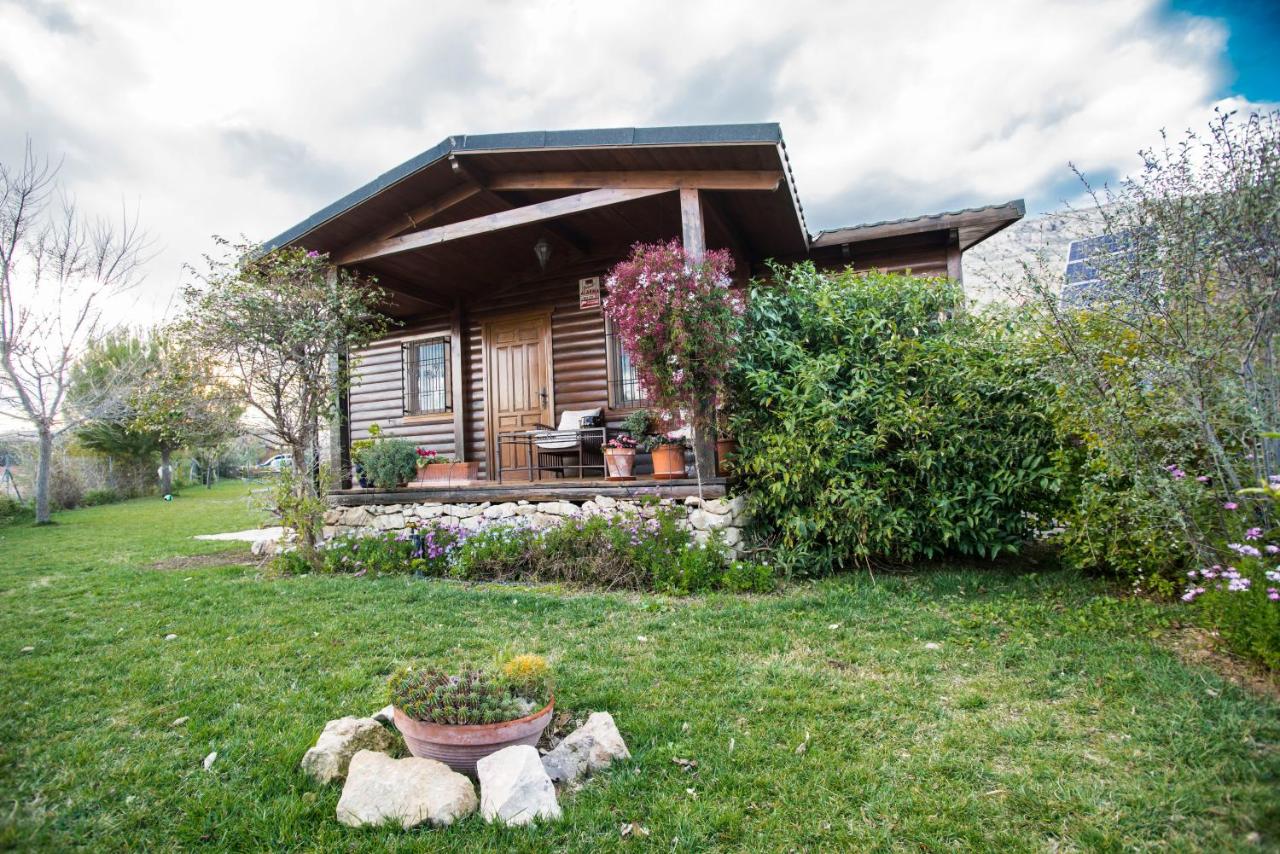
[(727, 515)]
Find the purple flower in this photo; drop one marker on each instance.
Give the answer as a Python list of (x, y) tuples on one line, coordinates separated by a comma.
[(1253, 533), (1192, 594), (1238, 584), (1273, 594), (1246, 550), (1229, 505), (1204, 478)]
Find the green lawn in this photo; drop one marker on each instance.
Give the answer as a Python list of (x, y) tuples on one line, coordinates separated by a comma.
[(1051, 717)]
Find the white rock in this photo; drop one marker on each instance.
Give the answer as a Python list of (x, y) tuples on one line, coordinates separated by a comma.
[(703, 520), (261, 548), (514, 787), (524, 508), (385, 715), (472, 523), (408, 791), (466, 511), (210, 759), (180, 721), (932, 645), (28, 649), (340, 740), (429, 511), (732, 536), (590, 748), (606, 502), (718, 506), (557, 508), (389, 521), (170, 636)]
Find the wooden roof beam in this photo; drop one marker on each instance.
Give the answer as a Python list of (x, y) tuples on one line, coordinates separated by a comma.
[(411, 219), (526, 215), (707, 179)]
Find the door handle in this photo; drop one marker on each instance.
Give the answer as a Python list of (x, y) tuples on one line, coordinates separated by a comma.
[(543, 395)]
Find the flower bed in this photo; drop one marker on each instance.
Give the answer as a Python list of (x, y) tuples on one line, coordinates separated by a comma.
[(624, 550)]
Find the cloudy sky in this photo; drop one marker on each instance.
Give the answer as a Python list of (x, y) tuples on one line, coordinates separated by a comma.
[(244, 117)]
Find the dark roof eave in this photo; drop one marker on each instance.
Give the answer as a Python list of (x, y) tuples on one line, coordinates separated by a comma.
[(737, 134), (998, 217)]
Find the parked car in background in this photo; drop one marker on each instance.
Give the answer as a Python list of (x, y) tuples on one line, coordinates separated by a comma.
[(276, 464)]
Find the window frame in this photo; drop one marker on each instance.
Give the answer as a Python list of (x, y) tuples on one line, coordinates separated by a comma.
[(410, 395), (613, 354)]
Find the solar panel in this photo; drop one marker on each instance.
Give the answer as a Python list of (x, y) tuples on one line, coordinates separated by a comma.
[(1087, 259)]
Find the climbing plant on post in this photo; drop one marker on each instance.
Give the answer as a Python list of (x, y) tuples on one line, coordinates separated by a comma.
[(675, 314)]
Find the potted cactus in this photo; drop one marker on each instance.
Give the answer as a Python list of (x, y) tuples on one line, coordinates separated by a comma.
[(459, 718)]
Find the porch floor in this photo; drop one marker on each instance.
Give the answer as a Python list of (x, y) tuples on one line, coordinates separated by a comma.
[(564, 489)]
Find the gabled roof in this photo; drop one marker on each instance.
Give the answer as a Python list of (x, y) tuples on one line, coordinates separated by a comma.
[(766, 133), (973, 224)]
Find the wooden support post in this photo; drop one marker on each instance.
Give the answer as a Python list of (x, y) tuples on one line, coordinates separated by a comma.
[(340, 424), (694, 231), (703, 415), (458, 391), (954, 271)]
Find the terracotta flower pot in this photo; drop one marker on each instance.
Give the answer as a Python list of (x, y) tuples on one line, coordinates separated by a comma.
[(668, 462), (620, 462), (725, 448), (460, 746), (434, 473), (461, 472)]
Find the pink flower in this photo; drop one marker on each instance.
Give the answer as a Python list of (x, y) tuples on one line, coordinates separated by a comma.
[(1253, 533), (1204, 478), (1270, 549), (1246, 550), (1273, 594), (1229, 505)]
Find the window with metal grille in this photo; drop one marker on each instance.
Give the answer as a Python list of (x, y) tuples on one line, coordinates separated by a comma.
[(625, 391), (428, 386)]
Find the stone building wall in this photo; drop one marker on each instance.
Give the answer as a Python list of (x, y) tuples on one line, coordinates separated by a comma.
[(727, 515)]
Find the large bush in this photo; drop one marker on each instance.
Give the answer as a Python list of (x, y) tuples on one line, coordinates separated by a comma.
[(875, 418)]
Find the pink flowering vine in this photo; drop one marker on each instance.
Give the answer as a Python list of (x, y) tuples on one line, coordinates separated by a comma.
[(675, 317)]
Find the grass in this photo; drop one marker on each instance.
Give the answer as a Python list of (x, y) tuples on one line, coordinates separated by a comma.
[(1050, 717)]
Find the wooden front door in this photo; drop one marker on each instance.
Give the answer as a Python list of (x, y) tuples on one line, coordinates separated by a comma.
[(518, 359)]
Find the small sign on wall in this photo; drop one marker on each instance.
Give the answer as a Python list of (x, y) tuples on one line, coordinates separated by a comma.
[(589, 292)]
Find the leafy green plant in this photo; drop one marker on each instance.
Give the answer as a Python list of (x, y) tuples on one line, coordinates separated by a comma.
[(636, 424), (390, 462), (876, 418)]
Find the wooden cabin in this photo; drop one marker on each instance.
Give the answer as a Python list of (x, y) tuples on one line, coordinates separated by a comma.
[(495, 248)]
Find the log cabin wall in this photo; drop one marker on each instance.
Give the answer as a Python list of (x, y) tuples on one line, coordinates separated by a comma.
[(579, 368)]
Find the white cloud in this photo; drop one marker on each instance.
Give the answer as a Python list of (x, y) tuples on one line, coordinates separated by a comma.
[(242, 117)]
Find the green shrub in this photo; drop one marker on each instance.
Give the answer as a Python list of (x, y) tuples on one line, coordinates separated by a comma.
[(95, 497), (875, 418), (390, 462), (13, 511)]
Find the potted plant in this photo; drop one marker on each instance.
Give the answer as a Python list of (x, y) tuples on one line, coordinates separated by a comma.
[(390, 462), (667, 450), (432, 467), (620, 457), (726, 445), (459, 718), (359, 448)]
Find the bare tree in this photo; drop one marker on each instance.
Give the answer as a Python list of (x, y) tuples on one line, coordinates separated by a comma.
[(57, 269)]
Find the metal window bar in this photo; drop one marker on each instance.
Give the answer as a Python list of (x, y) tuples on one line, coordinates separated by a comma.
[(428, 386), (625, 389)]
